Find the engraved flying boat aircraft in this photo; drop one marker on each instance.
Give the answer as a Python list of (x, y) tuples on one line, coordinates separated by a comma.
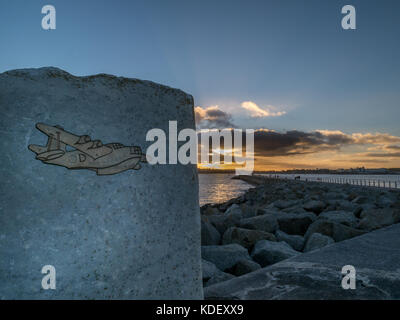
[(105, 159)]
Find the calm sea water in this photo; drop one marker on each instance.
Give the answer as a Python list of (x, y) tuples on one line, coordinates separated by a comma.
[(219, 187), (216, 188)]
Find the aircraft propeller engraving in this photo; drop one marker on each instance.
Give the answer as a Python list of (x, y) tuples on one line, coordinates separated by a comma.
[(89, 154)]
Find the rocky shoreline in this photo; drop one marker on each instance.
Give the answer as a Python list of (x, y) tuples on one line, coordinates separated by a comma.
[(281, 219)]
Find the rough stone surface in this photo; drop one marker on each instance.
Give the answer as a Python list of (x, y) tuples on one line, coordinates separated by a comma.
[(295, 223), (343, 217), (377, 218), (296, 242), (283, 204), (132, 235), (219, 277), (315, 206), (212, 275), (331, 229), (265, 222), (207, 210), (209, 270), (298, 208), (245, 237), (235, 210), (360, 200), (317, 241), (333, 195), (248, 211), (245, 266), (224, 221), (224, 256), (209, 235), (345, 205), (268, 252), (317, 274)]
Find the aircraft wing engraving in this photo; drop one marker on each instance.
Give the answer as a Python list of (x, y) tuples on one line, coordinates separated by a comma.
[(94, 149), (105, 159)]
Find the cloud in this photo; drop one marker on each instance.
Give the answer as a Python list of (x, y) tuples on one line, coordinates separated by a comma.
[(257, 112), (392, 147), (375, 138), (212, 117), (384, 155), (294, 142), (270, 143), (360, 160)]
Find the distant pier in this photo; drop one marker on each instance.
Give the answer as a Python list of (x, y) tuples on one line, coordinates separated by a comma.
[(370, 182)]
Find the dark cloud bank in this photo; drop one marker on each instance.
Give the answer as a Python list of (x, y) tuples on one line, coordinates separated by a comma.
[(294, 142)]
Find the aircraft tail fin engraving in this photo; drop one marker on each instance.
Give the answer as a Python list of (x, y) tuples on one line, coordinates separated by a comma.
[(55, 144), (105, 159)]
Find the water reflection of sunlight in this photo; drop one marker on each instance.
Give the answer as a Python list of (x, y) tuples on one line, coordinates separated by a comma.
[(217, 188), (220, 192)]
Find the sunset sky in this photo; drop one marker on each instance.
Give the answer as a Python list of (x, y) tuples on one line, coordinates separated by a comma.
[(317, 95)]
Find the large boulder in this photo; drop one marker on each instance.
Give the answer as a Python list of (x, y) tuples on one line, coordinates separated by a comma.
[(296, 242), (396, 204), (333, 195), (269, 252), (315, 206), (361, 200), (209, 234), (245, 266), (343, 217), (209, 270), (295, 223), (270, 209), (234, 210), (351, 196), (248, 211), (224, 221), (245, 237), (265, 222), (336, 231), (224, 256), (212, 275), (317, 241), (345, 205), (298, 208), (377, 218), (384, 202), (208, 210), (282, 204), (364, 207)]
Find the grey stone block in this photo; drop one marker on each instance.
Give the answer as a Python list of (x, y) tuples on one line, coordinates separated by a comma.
[(132, 235), (317, 241), (225, 256), (269, 252), (296, 242)]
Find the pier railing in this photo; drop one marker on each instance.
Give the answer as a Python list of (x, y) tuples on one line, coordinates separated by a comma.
[(366, 182)]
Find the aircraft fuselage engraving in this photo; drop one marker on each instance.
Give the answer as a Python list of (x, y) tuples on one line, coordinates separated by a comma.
[(89, 154)]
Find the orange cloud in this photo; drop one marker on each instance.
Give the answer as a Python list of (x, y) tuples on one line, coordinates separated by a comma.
[(257, 112)]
